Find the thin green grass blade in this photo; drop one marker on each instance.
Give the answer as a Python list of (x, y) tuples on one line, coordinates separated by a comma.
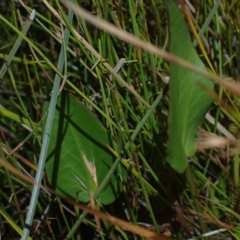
[(12, 223), (30, 43), (207, 21), (16, 117), (16, 45), (46, 136)]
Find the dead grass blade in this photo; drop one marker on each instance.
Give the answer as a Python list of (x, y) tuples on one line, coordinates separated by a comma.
[(113, 220), (147, 46)]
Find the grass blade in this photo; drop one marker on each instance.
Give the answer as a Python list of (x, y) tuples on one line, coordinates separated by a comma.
[(46, 136)]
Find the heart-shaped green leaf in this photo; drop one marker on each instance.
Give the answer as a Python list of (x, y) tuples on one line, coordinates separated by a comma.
[(189, 100), (78, 160)]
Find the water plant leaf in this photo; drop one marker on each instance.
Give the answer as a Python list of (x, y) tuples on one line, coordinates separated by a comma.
[(78, 159), (189, 100)]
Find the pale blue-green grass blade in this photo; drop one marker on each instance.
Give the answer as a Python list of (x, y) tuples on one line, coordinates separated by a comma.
[(16, 45), (46, 136)]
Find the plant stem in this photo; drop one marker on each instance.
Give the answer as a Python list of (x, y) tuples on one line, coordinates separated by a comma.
[(193, 189)]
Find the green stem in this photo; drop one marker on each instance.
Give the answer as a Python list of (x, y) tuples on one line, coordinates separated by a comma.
[(193, 189)]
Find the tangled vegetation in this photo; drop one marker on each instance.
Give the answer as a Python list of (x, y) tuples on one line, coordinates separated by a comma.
[(119, 120)]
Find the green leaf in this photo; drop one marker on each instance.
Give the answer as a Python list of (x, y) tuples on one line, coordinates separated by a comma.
[(189, 100), (77, 151)]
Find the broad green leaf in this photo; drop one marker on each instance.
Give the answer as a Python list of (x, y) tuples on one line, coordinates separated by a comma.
[(77, 151), (189, 100)]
